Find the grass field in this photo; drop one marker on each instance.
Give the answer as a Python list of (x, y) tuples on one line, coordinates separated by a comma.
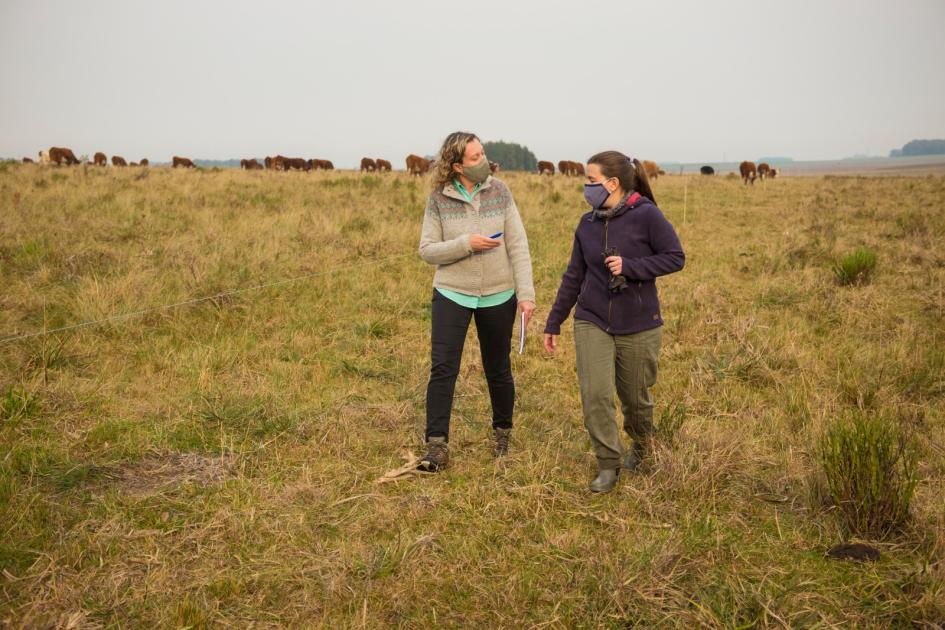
[(214, 464)]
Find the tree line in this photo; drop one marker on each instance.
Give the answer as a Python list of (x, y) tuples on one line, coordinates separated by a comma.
[(920, 147)]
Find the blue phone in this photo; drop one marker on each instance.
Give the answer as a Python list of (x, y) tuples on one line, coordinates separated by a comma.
[(496, 235)]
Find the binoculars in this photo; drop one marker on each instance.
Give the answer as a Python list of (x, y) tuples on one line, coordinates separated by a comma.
[(616, 283)]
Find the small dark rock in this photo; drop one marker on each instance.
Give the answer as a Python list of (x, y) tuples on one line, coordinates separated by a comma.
[(854, 551)]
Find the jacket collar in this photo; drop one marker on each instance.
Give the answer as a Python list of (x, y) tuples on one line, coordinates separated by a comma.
[(450, 190), (629, 202)]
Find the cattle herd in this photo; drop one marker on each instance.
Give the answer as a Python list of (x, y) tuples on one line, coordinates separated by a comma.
[(282, 163), (567, 167), (749, 172), (62, 155), (416, 165)]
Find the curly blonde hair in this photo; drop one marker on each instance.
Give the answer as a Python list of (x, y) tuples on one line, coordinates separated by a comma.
[(452, 151)]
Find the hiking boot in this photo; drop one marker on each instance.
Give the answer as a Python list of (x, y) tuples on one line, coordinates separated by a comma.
[(633, 458), (437, 457), (605, 481), (502, 437)]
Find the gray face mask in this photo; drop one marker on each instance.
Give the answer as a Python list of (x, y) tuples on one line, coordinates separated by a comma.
[(477, 173)]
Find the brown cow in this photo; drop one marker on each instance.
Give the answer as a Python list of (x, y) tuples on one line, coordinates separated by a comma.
[(494, 167), (773, 173), (382, 165), (747, 170), (250, 165), (182, 162), (132, 164), (417, 165), (117, 160), (58, 155), (546, 168), (763, 170), (322, 165), (567, 167), (27, 160), (652, 169), (144, 162), (276, 163), (298, 164), (369, 165), (99, 159)]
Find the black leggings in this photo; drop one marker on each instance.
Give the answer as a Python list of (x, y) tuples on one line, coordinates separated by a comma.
[(494, 328)]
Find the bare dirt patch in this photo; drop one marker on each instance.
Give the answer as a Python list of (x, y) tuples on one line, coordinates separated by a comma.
[(166, 471)]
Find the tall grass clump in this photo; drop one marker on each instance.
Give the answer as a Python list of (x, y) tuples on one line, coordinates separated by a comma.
[(16, 403), (857, 267), (871, 474)]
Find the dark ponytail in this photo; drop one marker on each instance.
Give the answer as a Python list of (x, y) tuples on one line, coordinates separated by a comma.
[(631, 175)]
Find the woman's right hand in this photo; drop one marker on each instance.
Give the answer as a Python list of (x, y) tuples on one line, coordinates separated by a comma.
[(479, 242), (551, 342)]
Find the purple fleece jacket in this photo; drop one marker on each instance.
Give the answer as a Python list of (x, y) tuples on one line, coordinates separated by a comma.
[(649, 247)]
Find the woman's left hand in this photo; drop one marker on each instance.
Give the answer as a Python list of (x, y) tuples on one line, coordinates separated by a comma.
[(527, 307), (615, 264)]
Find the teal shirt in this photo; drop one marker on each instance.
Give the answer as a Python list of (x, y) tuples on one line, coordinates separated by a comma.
[(458, 185), (478, 301)]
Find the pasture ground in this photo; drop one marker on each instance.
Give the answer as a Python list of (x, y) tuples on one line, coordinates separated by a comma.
[(214, 464)]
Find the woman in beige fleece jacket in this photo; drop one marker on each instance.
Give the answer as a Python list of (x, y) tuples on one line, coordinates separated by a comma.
[(474, 235)]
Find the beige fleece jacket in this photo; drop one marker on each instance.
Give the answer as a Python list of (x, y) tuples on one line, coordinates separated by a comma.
[(448, 222)]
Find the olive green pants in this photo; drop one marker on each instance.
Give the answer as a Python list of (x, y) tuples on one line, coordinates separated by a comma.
[(626, 363)]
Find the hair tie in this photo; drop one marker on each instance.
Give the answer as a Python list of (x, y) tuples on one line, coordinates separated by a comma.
[(629, 159)]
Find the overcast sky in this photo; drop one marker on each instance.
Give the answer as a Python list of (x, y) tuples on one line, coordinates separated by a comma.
[(684, 81)]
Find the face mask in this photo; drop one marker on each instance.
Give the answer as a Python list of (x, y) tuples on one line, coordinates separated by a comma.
[(596, 195), (477, 173)]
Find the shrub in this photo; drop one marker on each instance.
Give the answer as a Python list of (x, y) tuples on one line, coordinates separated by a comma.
[(870, 470), (857, 267)]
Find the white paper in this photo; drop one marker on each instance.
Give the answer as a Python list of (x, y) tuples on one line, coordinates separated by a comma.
[(521, 334)]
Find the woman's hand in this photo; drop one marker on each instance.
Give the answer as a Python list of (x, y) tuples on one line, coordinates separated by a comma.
[(527, 307), (551, 342), (615, 264), (478, 242)]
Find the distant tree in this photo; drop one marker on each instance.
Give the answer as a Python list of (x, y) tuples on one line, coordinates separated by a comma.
[(920, 147), (512, 156)]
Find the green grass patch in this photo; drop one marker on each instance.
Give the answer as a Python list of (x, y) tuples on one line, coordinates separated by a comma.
[(856, 268), (17, 403), (870, 466)]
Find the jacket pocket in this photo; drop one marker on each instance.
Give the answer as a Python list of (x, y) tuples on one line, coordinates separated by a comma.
[(629, 302)]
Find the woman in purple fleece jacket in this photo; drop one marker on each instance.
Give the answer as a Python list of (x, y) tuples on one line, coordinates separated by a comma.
[(619, 250)]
